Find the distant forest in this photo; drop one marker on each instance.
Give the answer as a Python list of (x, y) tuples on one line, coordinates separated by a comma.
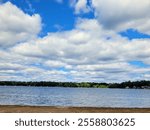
[(134, 84)]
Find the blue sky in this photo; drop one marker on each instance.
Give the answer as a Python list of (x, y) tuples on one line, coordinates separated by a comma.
[(53, 14), (56, 16), (74, 40)]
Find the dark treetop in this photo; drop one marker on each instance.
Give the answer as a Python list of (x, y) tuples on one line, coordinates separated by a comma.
[(128, 84)]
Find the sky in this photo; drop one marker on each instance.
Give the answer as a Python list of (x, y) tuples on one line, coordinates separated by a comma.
[(74, 40)]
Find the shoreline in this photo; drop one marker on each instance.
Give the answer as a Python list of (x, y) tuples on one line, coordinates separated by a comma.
[(55, 109)]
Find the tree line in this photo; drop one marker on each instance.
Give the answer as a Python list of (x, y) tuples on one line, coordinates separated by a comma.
[(134, 84), (53, 84)]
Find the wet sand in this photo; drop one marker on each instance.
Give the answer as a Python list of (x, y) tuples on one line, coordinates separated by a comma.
[(52, 109)]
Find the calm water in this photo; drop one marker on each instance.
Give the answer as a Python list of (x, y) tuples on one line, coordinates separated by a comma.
[(94, 97)]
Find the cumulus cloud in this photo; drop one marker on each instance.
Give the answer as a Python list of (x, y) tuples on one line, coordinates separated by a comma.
[(89, 56), (84, 46), (76, 44), (120, 15), (16, 26), (92, 51), (80, 6)]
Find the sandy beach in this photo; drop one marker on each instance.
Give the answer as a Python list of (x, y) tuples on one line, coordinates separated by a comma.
[(52, 109)]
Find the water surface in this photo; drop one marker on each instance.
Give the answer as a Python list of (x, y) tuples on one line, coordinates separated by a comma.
[(89, 97)]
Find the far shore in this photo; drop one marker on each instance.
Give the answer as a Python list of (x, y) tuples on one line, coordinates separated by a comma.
[(53, 109)]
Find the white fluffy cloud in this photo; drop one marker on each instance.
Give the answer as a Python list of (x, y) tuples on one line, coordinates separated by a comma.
[(123, 14), (83, 46), (118, 15), (81, 6), (92, 51), (88, 56), (16, 26)]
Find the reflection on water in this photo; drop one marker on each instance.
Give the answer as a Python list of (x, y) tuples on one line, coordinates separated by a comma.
[(92, 97)]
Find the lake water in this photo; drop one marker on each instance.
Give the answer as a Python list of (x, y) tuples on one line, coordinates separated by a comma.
[(90, 97)]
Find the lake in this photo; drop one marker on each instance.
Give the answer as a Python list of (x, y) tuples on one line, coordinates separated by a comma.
[(89, 97)]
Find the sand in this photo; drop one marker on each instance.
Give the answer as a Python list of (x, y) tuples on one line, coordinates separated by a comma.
[(52, 109)]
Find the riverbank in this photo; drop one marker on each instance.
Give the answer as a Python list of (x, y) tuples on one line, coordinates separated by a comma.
[(51, 109)]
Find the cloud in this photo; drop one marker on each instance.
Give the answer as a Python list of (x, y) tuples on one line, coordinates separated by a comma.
[(120, 15), (82, 45), (10, 66), (92, 51), (76, 44), (87, 54), (16, 26), (56, 64), (80, 6)]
